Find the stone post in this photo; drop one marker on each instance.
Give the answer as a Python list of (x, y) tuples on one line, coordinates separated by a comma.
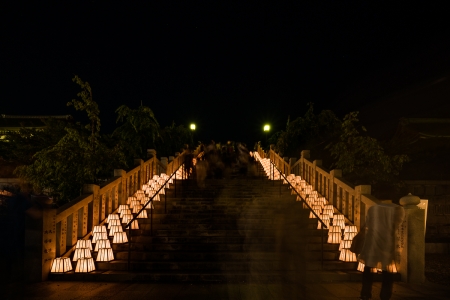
[(412, 241), (359, 213), (95, 191), (40, 242), (333, 194), (122, 192)]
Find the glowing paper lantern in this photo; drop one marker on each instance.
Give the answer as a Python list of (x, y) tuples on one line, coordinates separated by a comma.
[(114, 229), (81, 253), (85, 265), (134, 224), (84, 244), (347, 255), (102, 244), (334, 237), (120, 238), (105, 254), (122, 207), (127, 218), (113, 223), (99, 236), (99, 228), (61, 265), (112, 217)]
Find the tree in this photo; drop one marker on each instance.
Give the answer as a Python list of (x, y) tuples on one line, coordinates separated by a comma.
[(138, 130), (361, 158), (308, 132), (79, 157), (172, 139)]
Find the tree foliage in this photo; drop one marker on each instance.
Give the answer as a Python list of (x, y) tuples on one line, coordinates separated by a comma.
[(361, 158), (307, 132), (78, 157), (138, 130), (173, 139)]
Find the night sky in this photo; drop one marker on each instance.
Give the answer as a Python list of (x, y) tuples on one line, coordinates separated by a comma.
[(229, 68)]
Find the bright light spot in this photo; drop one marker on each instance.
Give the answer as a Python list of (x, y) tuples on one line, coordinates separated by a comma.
[(266, 127), (192, 126)]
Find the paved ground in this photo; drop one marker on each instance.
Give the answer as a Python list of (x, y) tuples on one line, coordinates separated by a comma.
[(129, 291)]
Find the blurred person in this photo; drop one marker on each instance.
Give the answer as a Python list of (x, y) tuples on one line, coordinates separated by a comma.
[(379, 247)]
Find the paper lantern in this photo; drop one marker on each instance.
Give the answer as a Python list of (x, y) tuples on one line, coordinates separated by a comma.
[(133, 203), (99, 228), (61, 265), (137, 208), (125, 212), (347, 255), (99, 236), (105, 254), (120, 238), (112, 217), (131, 198), (334, 237), (85, 265), (113, 223), (325, 219), (114, 229), (81, 253), (338, 217), (84, 244), (345, 244), (350, 228), (349, 235), (102, 244), (142, 214), (122, 207), (134, 224), (127, 218), (340, 223)]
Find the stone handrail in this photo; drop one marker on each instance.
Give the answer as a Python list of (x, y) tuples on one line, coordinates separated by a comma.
[(62, 227), (355, 201)]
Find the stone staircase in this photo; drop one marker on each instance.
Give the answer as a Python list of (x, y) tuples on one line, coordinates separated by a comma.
[(240, 229)]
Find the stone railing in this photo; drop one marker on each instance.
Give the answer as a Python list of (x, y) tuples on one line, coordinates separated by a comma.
[(355, 201), (53, 232)]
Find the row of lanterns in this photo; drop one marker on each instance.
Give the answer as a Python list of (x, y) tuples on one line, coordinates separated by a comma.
[(338, 232), (102, 234)]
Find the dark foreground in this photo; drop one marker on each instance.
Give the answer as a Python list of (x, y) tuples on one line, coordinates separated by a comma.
[(130, 291)]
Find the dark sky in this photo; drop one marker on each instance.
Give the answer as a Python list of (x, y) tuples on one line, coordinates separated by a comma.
[(227, 67)]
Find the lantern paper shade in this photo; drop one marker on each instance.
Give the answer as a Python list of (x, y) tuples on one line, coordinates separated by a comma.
[(338, 217), (84, 244), (113, 223), (334, 229), (112, 217), (61, 265), (345, 244), (122, 207), (105, 254), (99, 236), (340, 223), (334, 237), (99, 228), (102, 244), (81, 253), (85, 265), (325, 221), (137, 207), (134, 224), (127, 218), (114, 229), (142, 215), (120, 237), (347, 255), (125, 212), (349, 235), (350, 228)]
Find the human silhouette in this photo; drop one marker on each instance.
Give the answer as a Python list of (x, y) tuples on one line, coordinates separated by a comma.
[(379, 248)]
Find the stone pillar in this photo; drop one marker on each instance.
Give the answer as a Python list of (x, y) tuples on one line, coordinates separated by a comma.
[(358, 213), (121, 189), (40, 242), (151, 153), (164, 162), (333, 193), (305, 154), (412, 241), (315, 181), (171, 158), (95, 191)]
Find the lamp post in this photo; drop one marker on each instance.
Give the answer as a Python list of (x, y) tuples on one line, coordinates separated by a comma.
[(192, 127), (266, 129)]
